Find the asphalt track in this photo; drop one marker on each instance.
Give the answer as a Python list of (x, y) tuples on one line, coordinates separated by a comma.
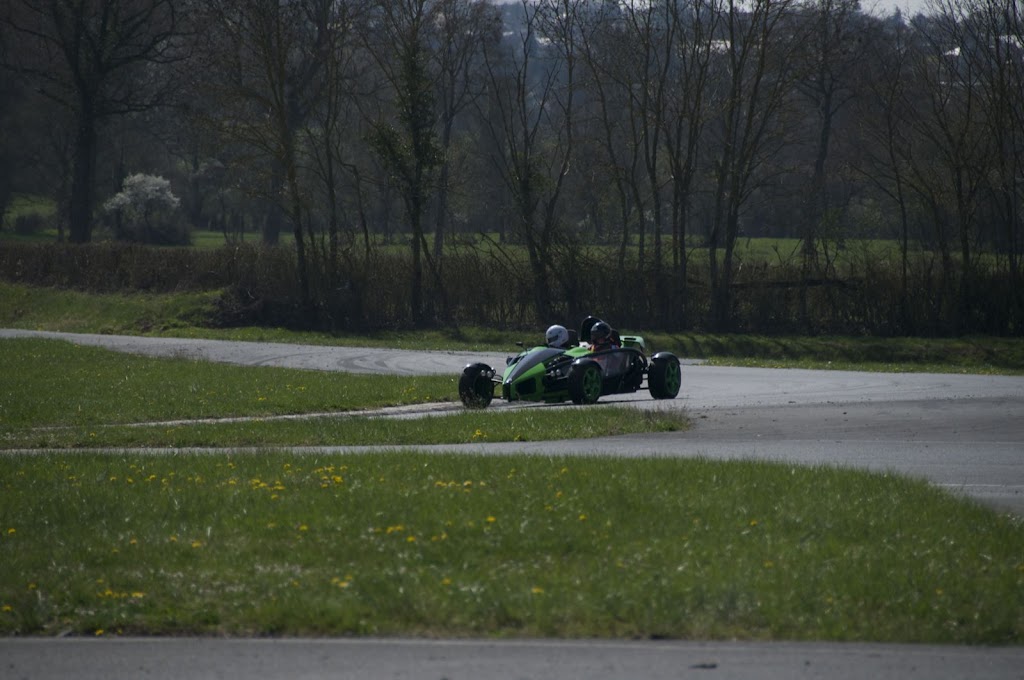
[(964, 433)]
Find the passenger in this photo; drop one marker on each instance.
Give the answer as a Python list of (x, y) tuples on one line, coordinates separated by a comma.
[(602, 337), (557, 337)]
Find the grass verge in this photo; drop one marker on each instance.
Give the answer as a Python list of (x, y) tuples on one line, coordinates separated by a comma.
[(453, 545), (55, 394), (530, 424), (47, 383)]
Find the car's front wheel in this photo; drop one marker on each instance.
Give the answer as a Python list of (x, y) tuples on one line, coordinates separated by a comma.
[(585, 382), (475, 387), (664, 377)]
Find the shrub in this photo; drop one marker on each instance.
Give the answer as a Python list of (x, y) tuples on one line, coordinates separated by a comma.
[(144, 212)]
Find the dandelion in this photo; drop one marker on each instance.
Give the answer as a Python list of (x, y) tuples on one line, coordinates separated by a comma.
[(410, 539), (753, 522), (99, 632), (197, 543), (136, 595), (536, 590), (7, 608), (11, 531), (583, 517), (446, 581), (303, 527), (491, 519)]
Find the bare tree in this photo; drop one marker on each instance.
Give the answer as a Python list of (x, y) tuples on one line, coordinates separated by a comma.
[(96, 58), (756, 75), (460, 29), (404, 134), (695, 48), (992, 41), (266, 63), (834, 47), (885, 109), (531, 119), (953, 148)]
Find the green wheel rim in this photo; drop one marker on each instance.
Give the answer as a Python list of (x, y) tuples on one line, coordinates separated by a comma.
[(673, 380), (592, 384)]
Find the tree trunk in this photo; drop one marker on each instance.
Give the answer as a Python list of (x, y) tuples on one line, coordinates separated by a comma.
[(83, 175)]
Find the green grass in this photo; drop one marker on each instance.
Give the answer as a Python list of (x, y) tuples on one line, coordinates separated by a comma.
[(54, 394), (50, 383), (450, 545), (531, 424)]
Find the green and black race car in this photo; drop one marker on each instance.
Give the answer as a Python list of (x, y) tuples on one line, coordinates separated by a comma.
[(550, 374)]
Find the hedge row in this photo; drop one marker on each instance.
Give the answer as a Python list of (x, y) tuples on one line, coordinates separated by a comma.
[(260, 287)]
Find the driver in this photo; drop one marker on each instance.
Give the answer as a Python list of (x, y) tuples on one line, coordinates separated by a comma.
[(557, 337), (601, 337)]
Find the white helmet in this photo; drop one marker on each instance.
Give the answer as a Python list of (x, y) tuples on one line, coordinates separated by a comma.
[(556, 336)]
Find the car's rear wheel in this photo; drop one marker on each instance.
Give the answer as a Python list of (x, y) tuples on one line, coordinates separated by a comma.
[(475, 387), (585, 382), (664, 377)]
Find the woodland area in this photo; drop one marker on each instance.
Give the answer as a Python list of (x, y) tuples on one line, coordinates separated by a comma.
[(438, 161)]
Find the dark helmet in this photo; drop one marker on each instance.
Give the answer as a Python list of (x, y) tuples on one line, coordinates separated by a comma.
[(600, 333)]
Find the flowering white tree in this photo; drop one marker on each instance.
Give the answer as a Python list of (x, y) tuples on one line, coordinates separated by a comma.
[(143, 200)]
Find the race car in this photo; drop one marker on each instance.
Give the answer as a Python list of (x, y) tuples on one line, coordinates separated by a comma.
[(550, 374)]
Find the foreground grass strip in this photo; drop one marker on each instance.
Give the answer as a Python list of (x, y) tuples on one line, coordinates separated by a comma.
[(416, 544), (54, 383), (520, 425)]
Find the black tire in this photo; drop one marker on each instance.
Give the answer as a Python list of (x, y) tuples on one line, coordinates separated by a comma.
[(664, 377), (585, 382), (475, 387)]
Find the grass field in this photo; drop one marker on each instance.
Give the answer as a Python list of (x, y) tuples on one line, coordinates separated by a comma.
[(450, 545)]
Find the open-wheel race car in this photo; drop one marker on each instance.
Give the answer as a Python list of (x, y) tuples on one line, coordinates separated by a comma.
[(574, 372)]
